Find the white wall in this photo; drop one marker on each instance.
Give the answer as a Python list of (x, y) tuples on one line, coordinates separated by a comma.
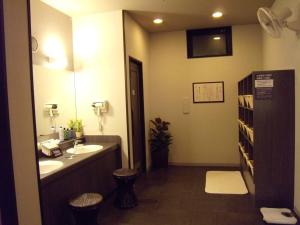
[(208, 135), (53, 86), (137, 42), (53, 31), (100, 73), (284, 53), (20, 111)]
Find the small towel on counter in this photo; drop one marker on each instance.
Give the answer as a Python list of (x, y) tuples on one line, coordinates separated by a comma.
[(278, 215)]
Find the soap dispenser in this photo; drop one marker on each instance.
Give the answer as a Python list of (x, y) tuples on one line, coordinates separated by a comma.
[(61, 133)]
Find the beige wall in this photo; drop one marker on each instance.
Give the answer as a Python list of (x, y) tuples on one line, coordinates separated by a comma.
[(208, 135), (137, 42), (100, 73), (53, 30), (284, 53), (20, 111), (53, 86)]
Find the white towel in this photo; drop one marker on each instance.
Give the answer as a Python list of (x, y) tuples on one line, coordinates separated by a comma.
[(278, 215)]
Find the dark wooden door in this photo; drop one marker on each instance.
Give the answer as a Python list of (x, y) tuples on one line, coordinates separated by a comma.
[(137, 115)]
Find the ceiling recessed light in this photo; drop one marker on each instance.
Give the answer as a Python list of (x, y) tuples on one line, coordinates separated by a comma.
[(158, 21), (217, 38), (217, 14)]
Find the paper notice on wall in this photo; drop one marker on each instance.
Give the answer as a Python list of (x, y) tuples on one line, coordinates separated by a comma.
[(205, 92), (264, 84)]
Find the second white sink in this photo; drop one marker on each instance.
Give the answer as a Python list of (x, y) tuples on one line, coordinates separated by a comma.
[(48, 166), (82, 149)]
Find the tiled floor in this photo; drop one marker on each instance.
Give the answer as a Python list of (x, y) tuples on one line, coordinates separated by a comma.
[(176, 197)]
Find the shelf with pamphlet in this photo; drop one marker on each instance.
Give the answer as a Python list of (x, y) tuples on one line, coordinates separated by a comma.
[(266, 122)]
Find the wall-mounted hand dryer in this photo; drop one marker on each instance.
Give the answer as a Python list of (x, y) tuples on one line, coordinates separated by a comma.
[(100, 107)]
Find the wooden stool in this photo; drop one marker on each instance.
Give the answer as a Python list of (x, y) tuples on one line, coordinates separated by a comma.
[(126, 197), (85, 208)]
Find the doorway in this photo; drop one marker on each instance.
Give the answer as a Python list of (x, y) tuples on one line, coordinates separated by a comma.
[(137, 115)]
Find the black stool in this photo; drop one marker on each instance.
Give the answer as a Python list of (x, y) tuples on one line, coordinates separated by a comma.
[(126, 197), (85, 208)]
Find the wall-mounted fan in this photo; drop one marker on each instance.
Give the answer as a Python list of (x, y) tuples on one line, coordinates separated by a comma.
[(273, 22)]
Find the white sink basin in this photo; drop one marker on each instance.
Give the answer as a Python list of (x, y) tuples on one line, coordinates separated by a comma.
[(82, 149), (49, 166)]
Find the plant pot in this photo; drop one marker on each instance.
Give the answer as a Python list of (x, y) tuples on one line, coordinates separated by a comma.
[(160, 158), (78, 134)]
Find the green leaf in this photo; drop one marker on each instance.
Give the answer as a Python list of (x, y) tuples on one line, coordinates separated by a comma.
[(160, 138)]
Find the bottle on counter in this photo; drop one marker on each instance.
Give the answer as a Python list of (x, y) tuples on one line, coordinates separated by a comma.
[(72, 133), (61, 133), (65, 134), (53, 129), (68, 134)]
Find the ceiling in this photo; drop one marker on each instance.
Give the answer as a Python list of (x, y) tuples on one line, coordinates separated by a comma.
[(177, 14)]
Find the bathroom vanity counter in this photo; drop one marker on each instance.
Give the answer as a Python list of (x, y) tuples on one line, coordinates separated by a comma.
[(88, 172), (73, 162)]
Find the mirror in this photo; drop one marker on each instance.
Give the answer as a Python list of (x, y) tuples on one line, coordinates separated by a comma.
[(53, 75), (100, 94)]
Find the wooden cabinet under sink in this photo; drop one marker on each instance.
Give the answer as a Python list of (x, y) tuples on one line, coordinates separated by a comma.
[(93, 174)]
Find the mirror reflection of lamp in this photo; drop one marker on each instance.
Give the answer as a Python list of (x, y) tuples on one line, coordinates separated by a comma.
[(55, 53)]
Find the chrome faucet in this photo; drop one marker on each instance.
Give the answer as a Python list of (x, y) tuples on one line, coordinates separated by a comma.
[(75, 145)]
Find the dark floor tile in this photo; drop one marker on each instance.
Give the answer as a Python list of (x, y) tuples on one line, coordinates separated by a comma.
[(173, 189), (151, 191), (148, 205), (172, 205), (200, 205), (234, 218), (145, 218), (172, 218), (203, 218), (176, 196)]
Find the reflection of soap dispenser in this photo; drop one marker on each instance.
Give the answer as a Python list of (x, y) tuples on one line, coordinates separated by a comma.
[(61, 133)]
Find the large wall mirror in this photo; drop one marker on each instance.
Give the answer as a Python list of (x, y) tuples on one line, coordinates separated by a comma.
[(53, 76), (92, 92)]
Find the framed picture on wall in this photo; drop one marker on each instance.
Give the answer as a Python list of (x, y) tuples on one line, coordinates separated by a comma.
[(208, 92)]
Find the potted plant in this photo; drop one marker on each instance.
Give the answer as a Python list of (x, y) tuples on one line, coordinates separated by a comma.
[(77, 126), (160, 139)]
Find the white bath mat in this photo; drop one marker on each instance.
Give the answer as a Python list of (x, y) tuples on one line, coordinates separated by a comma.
[(225, 182)]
